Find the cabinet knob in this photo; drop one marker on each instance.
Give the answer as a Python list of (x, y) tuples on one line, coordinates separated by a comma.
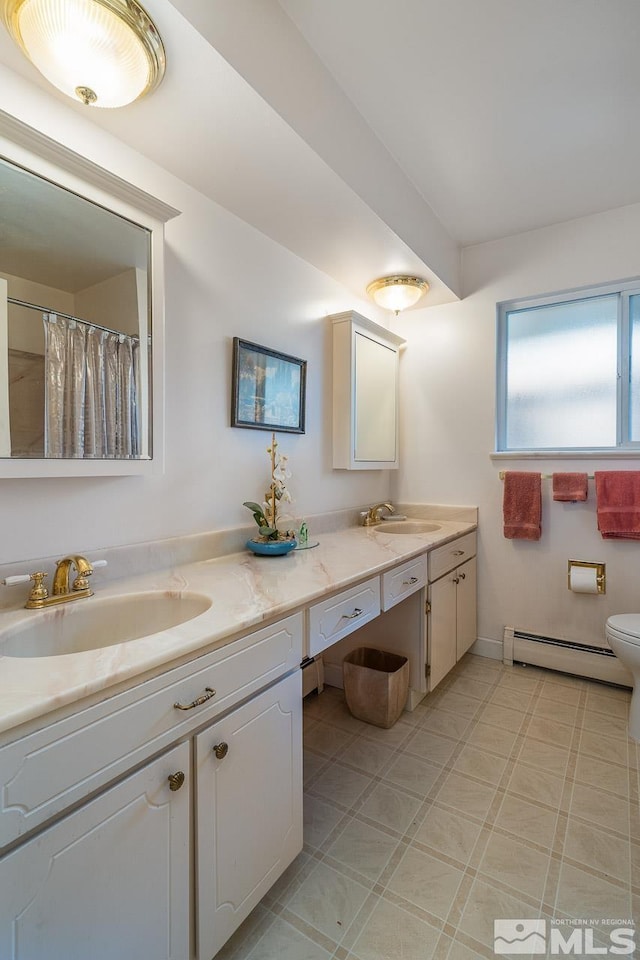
[(462, 576), (456, 580), (221, 750), (176, 780), (209, 692)]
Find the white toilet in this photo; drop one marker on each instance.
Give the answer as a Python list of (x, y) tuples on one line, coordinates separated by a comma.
[(623, 635)]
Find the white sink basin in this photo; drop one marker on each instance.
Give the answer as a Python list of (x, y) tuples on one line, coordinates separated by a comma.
[(407, 526), (93, 623)]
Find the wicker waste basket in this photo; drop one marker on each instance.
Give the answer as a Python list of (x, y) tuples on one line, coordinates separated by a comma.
[(376, 684)]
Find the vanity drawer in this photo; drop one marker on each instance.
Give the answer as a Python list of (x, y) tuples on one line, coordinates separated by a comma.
[(451, 555), (61, 764), (338, 616), (403, 581)]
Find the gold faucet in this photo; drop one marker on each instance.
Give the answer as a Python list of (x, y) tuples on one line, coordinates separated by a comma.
[(373, 517), (63, 591)]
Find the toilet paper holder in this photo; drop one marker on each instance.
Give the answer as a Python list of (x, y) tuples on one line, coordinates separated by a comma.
[(600, 569)]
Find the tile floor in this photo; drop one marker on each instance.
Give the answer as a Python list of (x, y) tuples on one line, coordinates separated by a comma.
[(510, 792)]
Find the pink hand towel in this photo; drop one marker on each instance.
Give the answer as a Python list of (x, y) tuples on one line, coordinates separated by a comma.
[(522, 505), (618, 495), (570, 486)]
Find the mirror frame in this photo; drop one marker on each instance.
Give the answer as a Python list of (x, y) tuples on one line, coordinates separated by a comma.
[(28, 148)]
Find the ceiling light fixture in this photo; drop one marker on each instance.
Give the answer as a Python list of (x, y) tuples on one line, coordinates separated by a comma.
[(398, 292), (106, 53)]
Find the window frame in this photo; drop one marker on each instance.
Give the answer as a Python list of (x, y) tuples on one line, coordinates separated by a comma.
[(624, 290)]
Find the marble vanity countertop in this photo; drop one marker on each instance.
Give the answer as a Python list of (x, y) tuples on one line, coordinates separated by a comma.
[(245, 591)]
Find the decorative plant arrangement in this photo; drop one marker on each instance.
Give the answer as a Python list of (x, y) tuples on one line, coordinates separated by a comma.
[(270, 539)]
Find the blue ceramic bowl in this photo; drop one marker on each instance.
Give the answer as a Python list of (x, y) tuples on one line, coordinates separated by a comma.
[(271, 548)]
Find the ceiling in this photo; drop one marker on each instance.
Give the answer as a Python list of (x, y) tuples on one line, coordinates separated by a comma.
[(506, 115), (370, 137)]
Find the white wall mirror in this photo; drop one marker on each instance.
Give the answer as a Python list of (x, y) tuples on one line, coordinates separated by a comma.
[(81, 317)]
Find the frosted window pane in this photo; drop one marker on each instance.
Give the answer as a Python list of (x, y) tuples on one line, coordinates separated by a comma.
[(562, 375), (634, 374)]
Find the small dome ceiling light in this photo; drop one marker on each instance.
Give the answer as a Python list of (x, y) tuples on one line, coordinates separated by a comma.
[(106, 53), (397, 292)]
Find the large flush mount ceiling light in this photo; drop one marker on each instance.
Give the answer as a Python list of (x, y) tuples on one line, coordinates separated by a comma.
[(398, 292), (106, 53)]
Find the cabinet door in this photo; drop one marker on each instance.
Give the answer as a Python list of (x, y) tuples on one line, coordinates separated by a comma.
[(442, 628), (466, 604), (375, 400), (108, 882), (249, 808)]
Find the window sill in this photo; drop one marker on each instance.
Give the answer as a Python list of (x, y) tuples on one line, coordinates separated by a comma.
[(565, 454)]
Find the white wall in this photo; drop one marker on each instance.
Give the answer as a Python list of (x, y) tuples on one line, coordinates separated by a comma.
[(26, 331), (447, 410), (112, 303), (223, 278)]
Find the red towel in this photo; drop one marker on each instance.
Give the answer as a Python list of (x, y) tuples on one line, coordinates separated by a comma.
[(522, 505), (618, 495), (570, 486)]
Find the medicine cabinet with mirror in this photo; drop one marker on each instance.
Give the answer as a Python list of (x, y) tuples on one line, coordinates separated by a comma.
[(365, 393), (81, 314)]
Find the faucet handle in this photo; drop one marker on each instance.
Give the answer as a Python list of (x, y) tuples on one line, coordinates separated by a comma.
[(38, 590), (18, 578)]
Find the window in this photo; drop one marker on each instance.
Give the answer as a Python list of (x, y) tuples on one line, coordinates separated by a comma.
[(569, 371)]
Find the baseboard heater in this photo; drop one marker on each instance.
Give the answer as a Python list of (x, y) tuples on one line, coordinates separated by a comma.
[(579, 659)]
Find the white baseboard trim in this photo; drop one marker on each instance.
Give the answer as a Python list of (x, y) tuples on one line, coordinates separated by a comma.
[(484, 647), (333, 675)]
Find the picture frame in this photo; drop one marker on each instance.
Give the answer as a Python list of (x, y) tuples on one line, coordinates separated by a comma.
[(268, 389)]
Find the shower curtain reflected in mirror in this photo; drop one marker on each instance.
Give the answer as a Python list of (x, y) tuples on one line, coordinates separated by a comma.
[(91, 391)]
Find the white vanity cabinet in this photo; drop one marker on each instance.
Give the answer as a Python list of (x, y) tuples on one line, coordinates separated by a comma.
[(365, 394), (110, 880), (388, 612), (113, 877), (248, 808), (451, 605)]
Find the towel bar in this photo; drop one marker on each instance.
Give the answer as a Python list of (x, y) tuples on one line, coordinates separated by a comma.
[(545, 476)]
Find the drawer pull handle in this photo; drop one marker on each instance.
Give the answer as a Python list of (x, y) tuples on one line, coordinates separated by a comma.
[(221, 750), (351, 616), (456, 580), (408, 582), (462, 576), (176, 780), (210, 692), (458, 553)]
